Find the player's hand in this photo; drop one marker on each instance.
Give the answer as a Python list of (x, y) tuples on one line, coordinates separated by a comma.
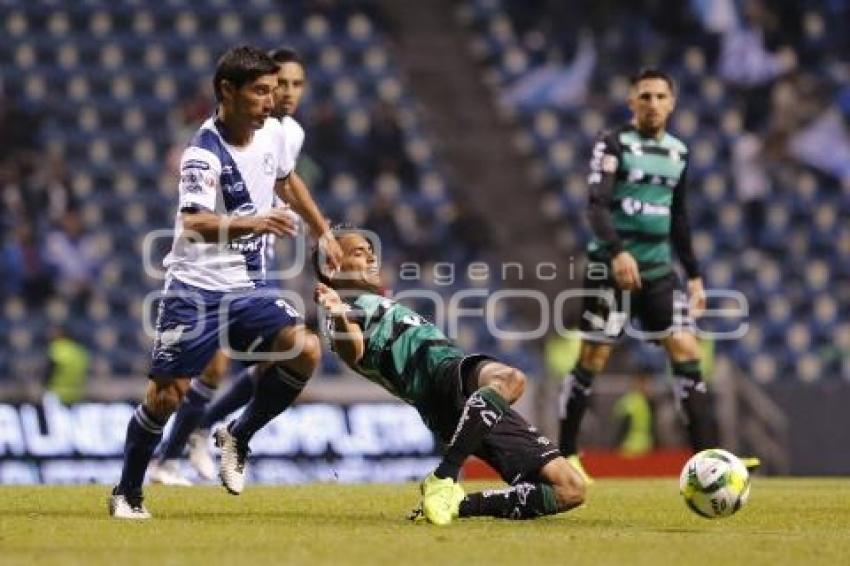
[(626, 272), (331, 252), (328, 299), (278, 221), (696, 297)]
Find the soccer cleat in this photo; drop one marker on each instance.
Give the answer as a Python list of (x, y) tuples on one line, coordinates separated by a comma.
[(752, 464), (234, 456), (167, 472), (575, 462), (440, 499), (199, 455), (417, 515), (127, 506)]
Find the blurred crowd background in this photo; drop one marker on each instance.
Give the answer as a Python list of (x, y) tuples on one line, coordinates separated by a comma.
[(98, 99)]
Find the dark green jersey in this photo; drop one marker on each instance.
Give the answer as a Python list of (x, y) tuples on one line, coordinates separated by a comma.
[(402, 349), (637, 201)]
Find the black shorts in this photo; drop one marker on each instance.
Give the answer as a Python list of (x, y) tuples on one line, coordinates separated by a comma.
[(659, 306), (514, 448)]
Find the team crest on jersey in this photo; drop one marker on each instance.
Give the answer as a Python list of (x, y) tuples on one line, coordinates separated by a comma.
[(636, 149), (268, 164)]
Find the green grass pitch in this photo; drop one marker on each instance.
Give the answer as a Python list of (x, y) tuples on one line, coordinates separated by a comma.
[(787, 521)]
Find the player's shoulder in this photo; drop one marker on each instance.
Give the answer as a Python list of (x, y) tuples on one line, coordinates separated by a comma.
[(290, 124), (292, 129), (616, 136), (205, 147), (370, 300), (672, 142)]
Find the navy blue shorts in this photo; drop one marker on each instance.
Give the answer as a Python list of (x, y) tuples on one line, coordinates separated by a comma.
[(192, 323)]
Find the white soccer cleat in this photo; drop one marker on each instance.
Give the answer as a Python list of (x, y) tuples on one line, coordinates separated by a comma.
[(199, 455), (127, 507), (167, 472), (233, 462)]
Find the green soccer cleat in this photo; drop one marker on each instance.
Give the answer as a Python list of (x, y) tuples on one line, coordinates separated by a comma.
[(752, 464), (441, 499), (575, 462)]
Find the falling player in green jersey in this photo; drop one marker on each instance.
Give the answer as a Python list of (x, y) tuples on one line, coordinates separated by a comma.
[(637, 212), (464, 399)]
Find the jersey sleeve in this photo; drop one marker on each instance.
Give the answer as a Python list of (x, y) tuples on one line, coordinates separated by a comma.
[(290, 140), (604, 165), (200, 172), (680, 228)]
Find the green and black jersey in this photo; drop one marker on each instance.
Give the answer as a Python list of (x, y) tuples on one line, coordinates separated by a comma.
[(637, 201), (403, 351)]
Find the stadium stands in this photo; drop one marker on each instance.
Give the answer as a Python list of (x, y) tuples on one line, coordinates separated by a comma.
[(768, 220), (118, 89)]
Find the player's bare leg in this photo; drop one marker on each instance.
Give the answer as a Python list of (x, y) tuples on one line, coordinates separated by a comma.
[(278, 386), (143, 434), (575, 398)]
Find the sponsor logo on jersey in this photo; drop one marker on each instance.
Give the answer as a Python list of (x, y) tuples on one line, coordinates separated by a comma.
[(195, 164), (236, 187), (632, 206)]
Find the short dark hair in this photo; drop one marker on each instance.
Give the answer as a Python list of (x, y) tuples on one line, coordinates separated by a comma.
[(241, 65), (653, 73), (337, 230), (287, 54)]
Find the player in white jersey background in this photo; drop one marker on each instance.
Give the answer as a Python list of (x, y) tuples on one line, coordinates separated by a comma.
[(215, 293), (194, 418)]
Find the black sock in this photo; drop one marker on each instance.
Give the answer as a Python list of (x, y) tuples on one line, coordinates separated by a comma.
[(143, 434), (575, 397), (482, 411), (695, 405), (522, 501), (276, 390), (237, 396), (187, 418)]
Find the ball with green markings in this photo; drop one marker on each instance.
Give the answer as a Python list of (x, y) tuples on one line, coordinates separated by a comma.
[(714, 483)]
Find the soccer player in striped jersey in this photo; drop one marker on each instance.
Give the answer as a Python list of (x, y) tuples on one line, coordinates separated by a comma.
[(199, 412), (464, 399), (638, 188), (215, 292)]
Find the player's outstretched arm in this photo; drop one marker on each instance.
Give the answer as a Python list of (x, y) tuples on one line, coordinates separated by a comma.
[(211, 227), (293, 190), (346, 336)]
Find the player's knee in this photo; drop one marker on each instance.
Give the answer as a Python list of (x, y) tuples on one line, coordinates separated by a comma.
[(594, 358), (683, 346), (214, 373), (163, 398), (570, 490), (311, 353), (514, 384)]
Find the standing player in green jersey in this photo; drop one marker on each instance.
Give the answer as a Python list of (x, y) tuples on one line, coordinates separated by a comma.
[(464, 399), (637, 212)]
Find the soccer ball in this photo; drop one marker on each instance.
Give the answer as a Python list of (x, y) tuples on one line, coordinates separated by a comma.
[(714, 483)]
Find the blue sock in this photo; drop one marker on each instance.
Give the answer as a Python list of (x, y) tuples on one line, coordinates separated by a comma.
[(237, 396), (276, 389), (187, 418), (143, 434)]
